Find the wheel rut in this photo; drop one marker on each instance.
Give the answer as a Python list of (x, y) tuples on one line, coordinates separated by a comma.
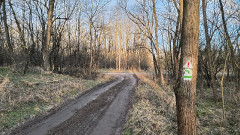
[(101, 111)]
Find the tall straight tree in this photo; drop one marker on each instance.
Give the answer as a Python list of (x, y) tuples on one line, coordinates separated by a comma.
[(10, 47), (160, 74), (185, 87), (208, 42), (91, 41), (45, 50)]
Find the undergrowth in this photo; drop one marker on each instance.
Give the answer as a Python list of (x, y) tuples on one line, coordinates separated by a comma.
[(210, 115), (154, 111)]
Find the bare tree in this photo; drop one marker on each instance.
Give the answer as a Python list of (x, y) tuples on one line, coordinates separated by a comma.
[(160, 75), (208, 42), (45, 50), (230, 45), (177, 35), (145, 23)]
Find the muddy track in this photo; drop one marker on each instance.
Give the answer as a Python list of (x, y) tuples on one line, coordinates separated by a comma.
[(101, 111)]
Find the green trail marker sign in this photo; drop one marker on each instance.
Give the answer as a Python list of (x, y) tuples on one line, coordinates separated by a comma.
[(187, 71)]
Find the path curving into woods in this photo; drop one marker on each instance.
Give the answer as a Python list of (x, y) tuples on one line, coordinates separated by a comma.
[(100, 111)]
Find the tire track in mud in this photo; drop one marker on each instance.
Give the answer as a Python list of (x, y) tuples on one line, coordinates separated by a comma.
[(100, 111), (114, 118), (86, 117)]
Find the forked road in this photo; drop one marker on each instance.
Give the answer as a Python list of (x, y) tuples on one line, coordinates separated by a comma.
[(101, 111)]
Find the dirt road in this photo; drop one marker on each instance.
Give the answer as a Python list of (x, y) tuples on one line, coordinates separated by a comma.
[(101, 111)]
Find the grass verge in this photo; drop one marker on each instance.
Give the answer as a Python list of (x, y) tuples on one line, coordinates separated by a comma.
[(154, 111), (23, 97)]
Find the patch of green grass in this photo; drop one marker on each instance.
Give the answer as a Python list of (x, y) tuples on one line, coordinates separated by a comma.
[(5, 72), (205, 107), (128, 132), (87, 84), (73, 93), (19, 114)]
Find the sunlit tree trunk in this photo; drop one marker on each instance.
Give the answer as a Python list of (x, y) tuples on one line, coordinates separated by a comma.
[(160, 72), (91, 42), (46, 46), (185, 90)]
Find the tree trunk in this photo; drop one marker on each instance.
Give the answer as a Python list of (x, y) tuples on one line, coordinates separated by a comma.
[(10, 48), (91, 44), (177, 34), (22, 37), (185, 90), (238, 79), (238, 84), (160, 73), (46, 46), (208, 42), (91, 49), (234, 59), (201, 83), (200, 73)]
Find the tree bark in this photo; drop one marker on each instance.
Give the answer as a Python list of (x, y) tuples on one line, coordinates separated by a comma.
[(91, 43), (238, 78), (46, 46), (160, 73), (208, 42), (238, 85), (185, 90), (200, 73)]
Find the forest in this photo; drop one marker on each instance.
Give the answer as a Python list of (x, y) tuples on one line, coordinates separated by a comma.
[(188, 47)]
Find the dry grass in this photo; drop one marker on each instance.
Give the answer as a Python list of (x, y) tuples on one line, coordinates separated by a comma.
[(154, 111), (209, 113), (25, 96)]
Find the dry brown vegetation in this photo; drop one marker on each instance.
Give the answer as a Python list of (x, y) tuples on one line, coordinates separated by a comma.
[(24, 96), (209, 113), (154, 111)]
